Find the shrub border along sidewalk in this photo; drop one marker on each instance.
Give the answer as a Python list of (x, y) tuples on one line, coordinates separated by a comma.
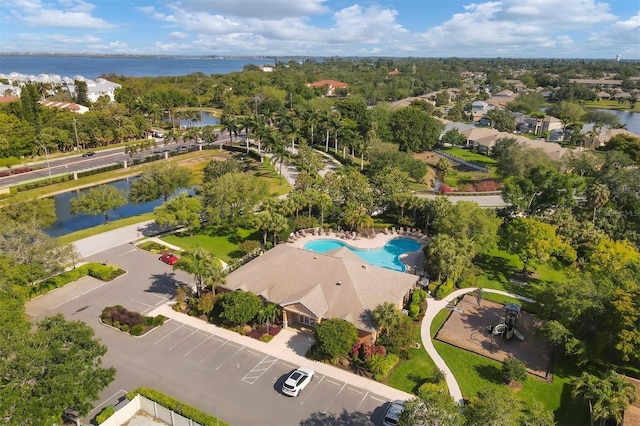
[(94, 269), (176, 406), (132, 322)]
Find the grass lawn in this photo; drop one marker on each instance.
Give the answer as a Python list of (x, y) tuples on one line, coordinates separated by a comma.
[(471, 156), (115, 224), (613, 104), (223, 244), (497, 267), (475, 372), (411, 374), (277, 185)]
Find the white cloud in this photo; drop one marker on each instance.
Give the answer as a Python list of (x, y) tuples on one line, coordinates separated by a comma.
[(178, 35), (264, 9), (66, 14), (622, 37)]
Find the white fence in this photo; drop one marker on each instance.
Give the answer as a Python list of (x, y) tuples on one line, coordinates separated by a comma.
[(140, 403)]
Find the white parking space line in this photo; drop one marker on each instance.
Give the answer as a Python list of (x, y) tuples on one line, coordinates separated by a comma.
[(225, 361), (379, 399), (354, 390), (259, 370), (334, 398), (198, 345), (334, 383), (73, 298), (170, 333), (362, 400), (288, 365), (180, 342), (307, 393), (143, 304), (127, 252), (224, 342)]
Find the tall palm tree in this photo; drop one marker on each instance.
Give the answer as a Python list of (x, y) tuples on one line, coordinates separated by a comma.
[(247, 124), (229, 124), (608, 396), (598, 196), (278, 224), (203, 265), (312, 117)]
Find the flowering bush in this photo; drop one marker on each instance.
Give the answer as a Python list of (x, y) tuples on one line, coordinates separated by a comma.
[(487, 185), (444, 188)]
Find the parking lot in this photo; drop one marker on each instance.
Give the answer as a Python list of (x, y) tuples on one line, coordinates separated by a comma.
[(240, 384)]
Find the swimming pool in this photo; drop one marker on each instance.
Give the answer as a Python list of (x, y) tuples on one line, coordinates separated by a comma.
[(385, 257)]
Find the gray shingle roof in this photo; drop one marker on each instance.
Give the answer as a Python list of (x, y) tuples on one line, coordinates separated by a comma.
[(289, 276)]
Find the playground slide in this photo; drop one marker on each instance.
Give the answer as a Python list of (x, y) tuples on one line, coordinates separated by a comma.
[(518, 335)]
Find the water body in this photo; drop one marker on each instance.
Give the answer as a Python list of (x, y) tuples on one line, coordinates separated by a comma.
[(206, 119), (385, 257), (631, 119), (67, 222), (94, 66)]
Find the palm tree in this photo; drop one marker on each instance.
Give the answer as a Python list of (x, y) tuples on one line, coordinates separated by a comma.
[(280, 153), (278, 224), (247, 124), (290, 126), (597, 196), (608, 396), (386, 316), (313, 117), (203, 265), (262, 221), (323, 202), (269, 313), (229, 124)]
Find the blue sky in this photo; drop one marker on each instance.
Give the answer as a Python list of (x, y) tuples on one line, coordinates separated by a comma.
[(399, 28)]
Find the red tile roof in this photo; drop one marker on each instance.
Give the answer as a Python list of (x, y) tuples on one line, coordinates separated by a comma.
[(5, 99), (332, 83)]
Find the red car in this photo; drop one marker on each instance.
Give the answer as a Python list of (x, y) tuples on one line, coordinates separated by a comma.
[(169, 258)]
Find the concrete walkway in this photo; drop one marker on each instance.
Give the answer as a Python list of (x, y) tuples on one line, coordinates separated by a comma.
[(435, 306), (116, 237), (288, 346)]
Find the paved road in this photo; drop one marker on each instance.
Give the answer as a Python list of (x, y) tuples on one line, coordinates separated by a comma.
[(78, 163), (213, 369), (485, 201)]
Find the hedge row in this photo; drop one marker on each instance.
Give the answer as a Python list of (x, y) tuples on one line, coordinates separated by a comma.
[(106, 412), (96, 270), (177, 406)]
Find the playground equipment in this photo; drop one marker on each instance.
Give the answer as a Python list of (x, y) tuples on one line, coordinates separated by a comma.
[(507, 329)]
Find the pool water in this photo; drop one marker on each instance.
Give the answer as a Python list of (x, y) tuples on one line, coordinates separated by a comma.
[(385, 257)]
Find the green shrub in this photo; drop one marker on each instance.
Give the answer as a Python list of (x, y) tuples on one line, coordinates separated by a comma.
[(124, 327), (177, 406), (418, 296), (158, 320), (443, 290), (513, 370), (116, 324), (137, 330), (414, 310), (101, 272), (381, 366), (266, 338), (429, 388), (106, 412), (148, 321)]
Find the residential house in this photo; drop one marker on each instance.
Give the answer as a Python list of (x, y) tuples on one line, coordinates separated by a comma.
[(329, 86), (550, 123), (602, 95), (480, 137), (479, 109), (596, 82), (394, 72), (312, 286), (70, 106), (605, 134)]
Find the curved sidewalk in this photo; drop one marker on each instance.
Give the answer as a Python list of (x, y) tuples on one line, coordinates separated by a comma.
[(435, 306)]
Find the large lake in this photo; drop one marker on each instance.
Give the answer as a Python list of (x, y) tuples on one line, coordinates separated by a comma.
[(631, 119), (67, 222)]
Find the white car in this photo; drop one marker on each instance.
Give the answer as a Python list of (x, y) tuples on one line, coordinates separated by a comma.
[(392, 415), (297, 381)]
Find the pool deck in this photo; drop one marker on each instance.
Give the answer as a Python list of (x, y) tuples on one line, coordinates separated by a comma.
[(414, 261)]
